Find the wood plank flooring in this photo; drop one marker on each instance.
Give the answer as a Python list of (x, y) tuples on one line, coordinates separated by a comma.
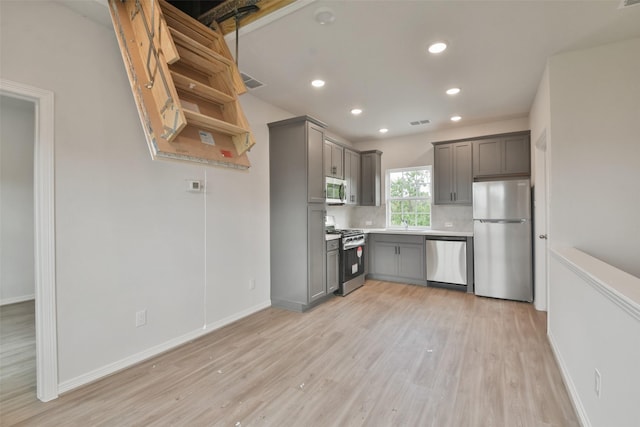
[(17, 356), (386, 355)]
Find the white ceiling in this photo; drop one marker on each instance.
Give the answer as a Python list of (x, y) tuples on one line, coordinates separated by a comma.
[(374, 57)]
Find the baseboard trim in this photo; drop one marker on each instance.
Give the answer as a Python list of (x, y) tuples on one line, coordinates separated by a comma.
[(128, 362), (15, 300), (571, 387)]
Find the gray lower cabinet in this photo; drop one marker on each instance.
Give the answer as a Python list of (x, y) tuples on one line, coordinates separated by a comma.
[(370, 178), (333, 265), (352, 175), (316, 252), (502, 155), (297, 213), (397, 258)]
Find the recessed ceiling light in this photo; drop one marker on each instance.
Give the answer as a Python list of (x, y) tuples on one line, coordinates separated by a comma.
[(356, 111), (453, 91), (317, 83), (324, 16), (437, 47), (456, 118), (384, 130)]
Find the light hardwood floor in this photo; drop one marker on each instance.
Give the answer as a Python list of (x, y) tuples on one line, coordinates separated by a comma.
[(387, 355), (17, 356)]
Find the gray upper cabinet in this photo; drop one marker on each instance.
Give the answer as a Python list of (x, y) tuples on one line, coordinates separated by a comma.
[(297, 212), (315, 170), (502, 155), (352, 175), (333, 160), (371, 178), (452, 177)]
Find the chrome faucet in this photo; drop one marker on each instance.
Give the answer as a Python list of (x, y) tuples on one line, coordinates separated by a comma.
[(405, 224)]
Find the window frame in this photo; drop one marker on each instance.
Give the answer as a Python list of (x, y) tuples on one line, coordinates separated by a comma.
[(388, 198)]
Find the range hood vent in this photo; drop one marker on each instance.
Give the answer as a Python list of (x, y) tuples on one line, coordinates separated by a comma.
[(250, 82)]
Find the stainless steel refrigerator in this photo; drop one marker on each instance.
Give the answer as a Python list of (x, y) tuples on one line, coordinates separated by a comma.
[(502, 239)]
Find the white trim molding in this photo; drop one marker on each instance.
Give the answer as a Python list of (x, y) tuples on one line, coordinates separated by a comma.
[(44, 218), (127, 362), (568, 381), (15, 300), (619, 287)]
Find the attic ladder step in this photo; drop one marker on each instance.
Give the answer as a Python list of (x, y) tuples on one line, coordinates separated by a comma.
[(202, 34), (185, 84)]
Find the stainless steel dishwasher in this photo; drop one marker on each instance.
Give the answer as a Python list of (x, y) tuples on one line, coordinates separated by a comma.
[(447, 259)]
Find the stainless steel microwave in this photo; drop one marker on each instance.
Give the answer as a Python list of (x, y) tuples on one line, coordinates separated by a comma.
[(336, 191)]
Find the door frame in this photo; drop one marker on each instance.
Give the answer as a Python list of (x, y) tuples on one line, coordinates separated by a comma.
[(542, 208), (44, 221)]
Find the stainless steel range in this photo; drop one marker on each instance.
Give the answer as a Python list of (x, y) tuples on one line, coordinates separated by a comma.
[(352, 259)]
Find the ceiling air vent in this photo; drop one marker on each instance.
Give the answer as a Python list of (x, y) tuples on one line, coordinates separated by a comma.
[(627, 3), (250, 82), (422, 122)]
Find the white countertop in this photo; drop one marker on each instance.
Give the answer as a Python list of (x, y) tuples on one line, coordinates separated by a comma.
[(409, 232), (421, 232)]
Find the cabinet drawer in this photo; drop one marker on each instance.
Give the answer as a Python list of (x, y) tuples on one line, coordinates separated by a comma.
[(333, 245)]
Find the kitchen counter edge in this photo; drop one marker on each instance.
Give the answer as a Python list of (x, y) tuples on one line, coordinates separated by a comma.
[(418, 232)]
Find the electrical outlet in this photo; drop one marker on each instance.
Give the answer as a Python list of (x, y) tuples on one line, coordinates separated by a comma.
[(598, 383), (141, 318), (448, 224), (252, 284), (368, 223)]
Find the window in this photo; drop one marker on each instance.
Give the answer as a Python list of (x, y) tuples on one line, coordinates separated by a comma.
[(409, 197)]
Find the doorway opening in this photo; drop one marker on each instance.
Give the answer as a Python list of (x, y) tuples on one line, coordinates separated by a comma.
[(44, 237)]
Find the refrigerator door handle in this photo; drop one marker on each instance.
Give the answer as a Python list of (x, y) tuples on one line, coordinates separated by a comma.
[(503, 221)]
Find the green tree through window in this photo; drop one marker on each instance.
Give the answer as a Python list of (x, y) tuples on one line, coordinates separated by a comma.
[(409, 197)]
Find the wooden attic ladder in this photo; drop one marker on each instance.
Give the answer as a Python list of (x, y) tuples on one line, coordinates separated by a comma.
[(185, 84)]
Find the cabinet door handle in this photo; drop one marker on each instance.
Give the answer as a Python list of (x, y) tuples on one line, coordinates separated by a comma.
[(455, 196), (451, 196)]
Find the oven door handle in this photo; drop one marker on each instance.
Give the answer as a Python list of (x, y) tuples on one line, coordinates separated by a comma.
[(352, 245)]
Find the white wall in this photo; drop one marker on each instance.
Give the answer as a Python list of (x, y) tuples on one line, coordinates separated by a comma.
[(17, 120), (594, 203), (416, 150), (590, 328), (595, 152), (128, 234)]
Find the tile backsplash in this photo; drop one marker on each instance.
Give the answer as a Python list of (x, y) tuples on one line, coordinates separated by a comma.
[(460, 217), (369, 216), (358, 216), (341, 214)]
